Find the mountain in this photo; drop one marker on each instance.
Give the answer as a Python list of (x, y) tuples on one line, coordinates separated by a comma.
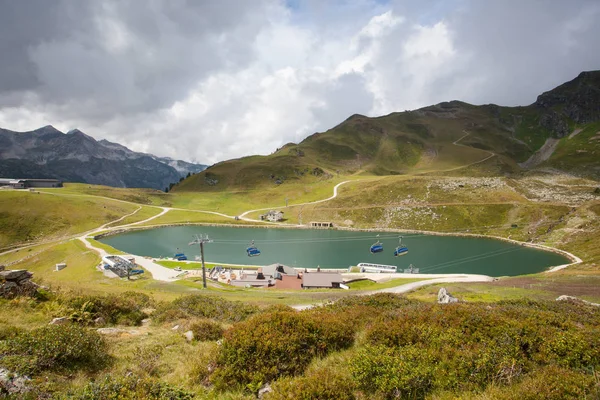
[(77, 157), (561, 129)]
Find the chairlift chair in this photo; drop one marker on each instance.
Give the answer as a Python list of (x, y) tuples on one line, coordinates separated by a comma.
[(376, 247), (400, 250), (252, 250)]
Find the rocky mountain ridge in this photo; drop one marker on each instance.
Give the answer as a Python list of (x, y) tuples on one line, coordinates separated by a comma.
[(77, 157)]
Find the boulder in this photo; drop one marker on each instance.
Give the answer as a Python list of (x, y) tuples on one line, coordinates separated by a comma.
[(189, 336), (13, 384), (444, 297), (59, 321), (15, 275)]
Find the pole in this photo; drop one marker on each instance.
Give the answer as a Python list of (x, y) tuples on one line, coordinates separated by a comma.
[(203, 267), (201, 240)]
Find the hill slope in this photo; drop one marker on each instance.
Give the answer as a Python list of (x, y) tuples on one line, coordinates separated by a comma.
[(435, 138), (77, 157)]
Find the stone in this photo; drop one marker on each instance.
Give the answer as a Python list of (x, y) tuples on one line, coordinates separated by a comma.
[(264, 390), (14, 275), (59, 321), (444, 297), (146, 321), (99, 321), (175, 328), (189, 336), (13, 383)]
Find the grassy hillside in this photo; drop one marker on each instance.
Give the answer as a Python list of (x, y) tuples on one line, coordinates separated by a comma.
[(30, 216)]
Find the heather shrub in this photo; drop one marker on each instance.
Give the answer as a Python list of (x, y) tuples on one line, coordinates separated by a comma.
[(268, 346), (393, 373), (128, 388), (53, 347), (147, 358), (206, 329), (322, 384), (198, 306), (122, 309)]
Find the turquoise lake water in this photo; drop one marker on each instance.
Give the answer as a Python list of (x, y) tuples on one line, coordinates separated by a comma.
[(307, 248)]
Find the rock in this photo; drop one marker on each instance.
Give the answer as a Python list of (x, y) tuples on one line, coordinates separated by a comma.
[(444, 297), (575, 299), (59, 321), (99, 321), (264, 390), (189, 336), (13, 383), (15, 275), (146, 321), (175, 328)]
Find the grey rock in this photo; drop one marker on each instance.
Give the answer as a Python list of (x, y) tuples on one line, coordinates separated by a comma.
[(99, 321), (59, 321), (116, 331), (444, 297), (189, 336), (264, 390), (175, 328), (15, 275), (13, 383)]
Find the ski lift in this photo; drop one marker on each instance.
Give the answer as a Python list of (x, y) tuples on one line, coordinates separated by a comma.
[(252, 250), (376, 247), (400, 250)]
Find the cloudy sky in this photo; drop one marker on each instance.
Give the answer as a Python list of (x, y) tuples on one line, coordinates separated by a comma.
[(211, 80)]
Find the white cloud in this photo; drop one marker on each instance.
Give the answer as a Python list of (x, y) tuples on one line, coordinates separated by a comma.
[(206, 84)]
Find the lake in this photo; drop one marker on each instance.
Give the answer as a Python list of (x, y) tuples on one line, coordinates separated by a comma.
[(309, 248)]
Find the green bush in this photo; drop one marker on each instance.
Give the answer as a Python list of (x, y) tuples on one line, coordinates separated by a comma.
[(198, 306), (123, 309), (322, 384), (269, 346), (393, 373), (53, 347), (205, 329), (147, 358), (128, 388)]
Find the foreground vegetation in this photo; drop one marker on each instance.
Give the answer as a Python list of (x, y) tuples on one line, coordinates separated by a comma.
[(381, 347)]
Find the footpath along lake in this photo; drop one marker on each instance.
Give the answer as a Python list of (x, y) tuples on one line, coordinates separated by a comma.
[(308, 248)]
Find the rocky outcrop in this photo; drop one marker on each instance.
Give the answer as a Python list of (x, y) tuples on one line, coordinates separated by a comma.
[(444, 297), (15, 283)]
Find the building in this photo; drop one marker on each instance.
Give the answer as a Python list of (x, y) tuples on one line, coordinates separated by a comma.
[(273, 216), (319, 280), (317, 224), (29, 183)]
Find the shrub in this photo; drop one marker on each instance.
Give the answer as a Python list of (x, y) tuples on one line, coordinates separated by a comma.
[(204, 307), (322, 384), (123, 309), (129, 388), (53, 348), (268, 346), (205, 329), (401, 373)]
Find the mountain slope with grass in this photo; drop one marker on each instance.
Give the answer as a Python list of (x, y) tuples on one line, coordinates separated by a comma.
[(441, 137)]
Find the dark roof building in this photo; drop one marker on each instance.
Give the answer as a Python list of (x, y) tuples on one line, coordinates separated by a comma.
[(30, 183)]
